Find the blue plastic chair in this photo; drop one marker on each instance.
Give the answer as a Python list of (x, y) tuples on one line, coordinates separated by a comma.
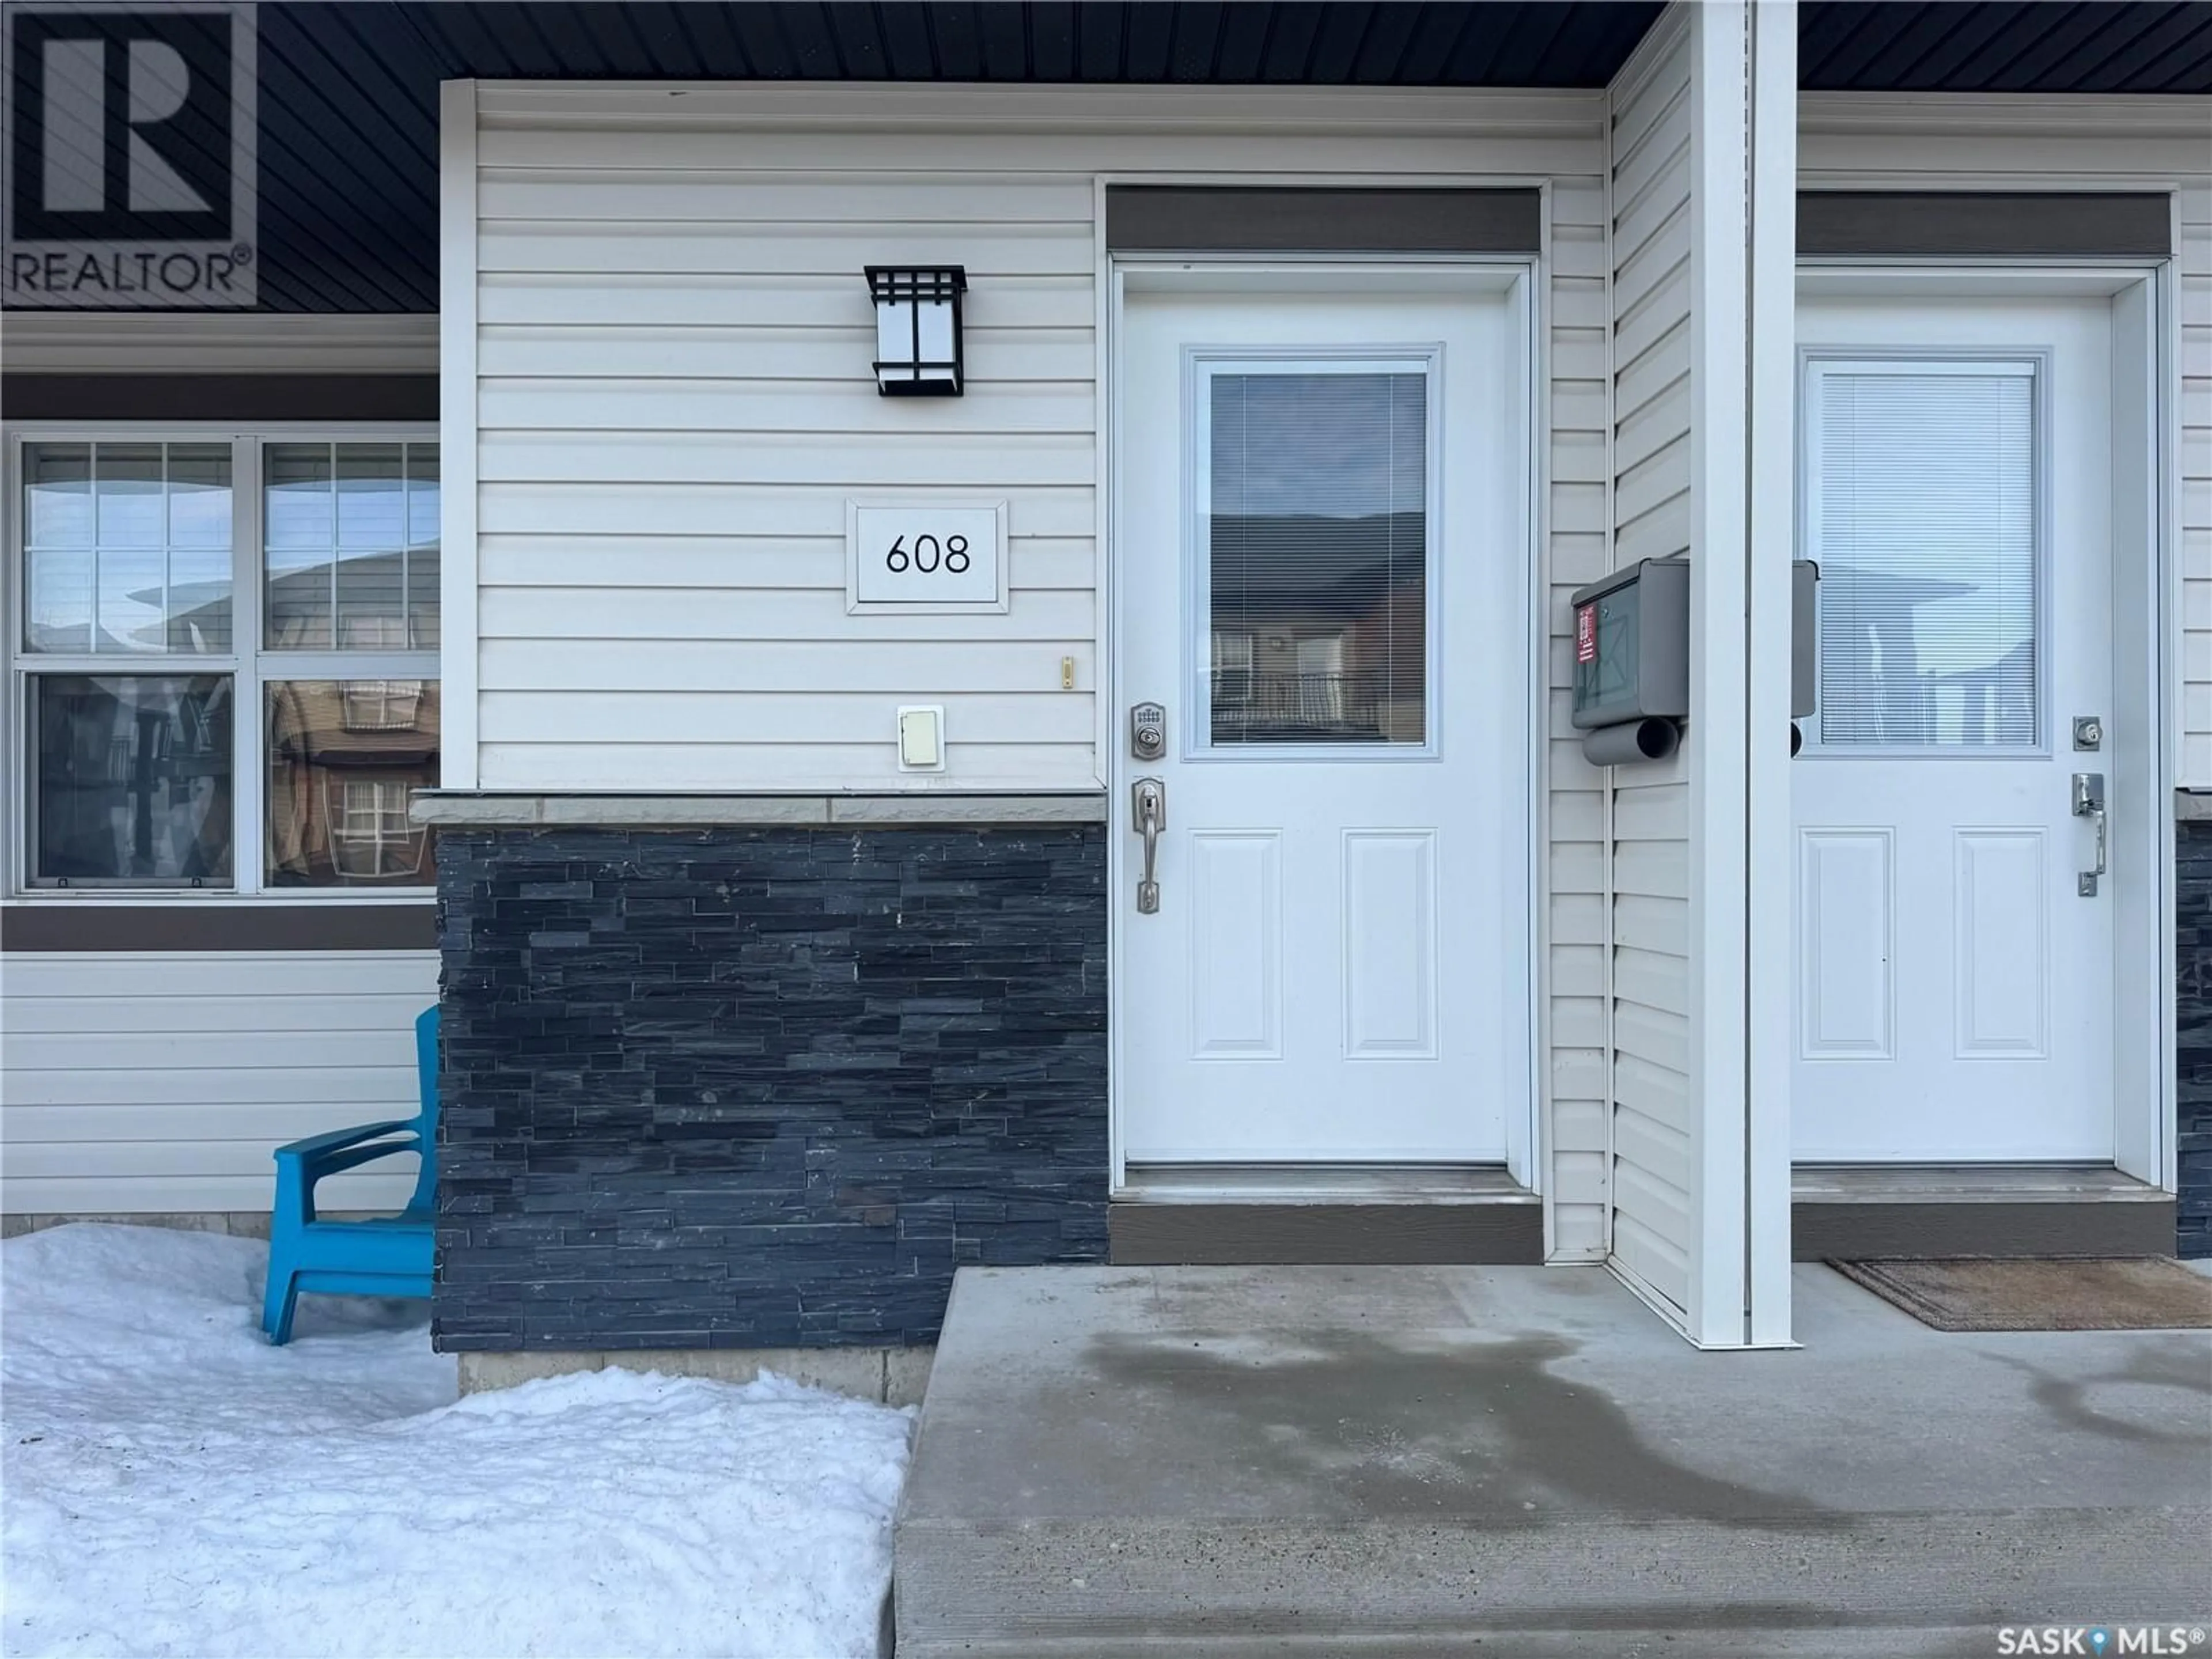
[(383, 1256)]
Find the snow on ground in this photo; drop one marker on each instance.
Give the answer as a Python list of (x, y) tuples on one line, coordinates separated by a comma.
[(175, 1485)]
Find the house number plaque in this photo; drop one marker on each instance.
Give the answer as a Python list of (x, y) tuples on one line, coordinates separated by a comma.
[(920, 557)]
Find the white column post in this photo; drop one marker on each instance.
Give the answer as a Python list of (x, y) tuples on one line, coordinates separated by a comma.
[(1743, 237), (1719, 712), (457, 432), (1770, 499)]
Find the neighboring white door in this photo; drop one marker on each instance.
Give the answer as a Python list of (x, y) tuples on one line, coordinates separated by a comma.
[(1955, 982), (1319, 578)]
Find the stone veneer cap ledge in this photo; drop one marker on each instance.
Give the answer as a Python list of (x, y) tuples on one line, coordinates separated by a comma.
[(464, 810)]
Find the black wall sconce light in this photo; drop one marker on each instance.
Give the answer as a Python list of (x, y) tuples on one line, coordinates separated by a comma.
[(918, 349)]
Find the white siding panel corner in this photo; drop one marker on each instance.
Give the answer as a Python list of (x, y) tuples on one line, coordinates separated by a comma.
[(1648, 929), (161, 1084), (2193, 318)]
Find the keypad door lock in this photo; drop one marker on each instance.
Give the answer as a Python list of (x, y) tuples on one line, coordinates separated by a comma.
[(1148, 731)]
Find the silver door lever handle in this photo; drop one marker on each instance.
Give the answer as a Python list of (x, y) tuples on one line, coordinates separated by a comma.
[(1148, 812), (2089, 803)]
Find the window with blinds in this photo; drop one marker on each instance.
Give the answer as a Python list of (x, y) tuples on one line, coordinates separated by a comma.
[(1924, 520), (1316, 533)]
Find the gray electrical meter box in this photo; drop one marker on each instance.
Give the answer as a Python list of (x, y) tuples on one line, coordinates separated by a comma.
[(1632, 645)]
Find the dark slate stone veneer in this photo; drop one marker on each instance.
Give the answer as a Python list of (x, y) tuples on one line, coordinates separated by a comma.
[(2193, 1009), (762, 1087)]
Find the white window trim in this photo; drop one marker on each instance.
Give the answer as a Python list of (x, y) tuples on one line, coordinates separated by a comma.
[(1201, 363), (250, 665), (1814, 363)]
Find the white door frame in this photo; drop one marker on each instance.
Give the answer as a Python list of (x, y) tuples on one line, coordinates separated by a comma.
[(2146, 601), (1517, 278)]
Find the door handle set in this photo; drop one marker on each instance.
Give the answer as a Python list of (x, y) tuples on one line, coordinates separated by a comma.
[(1148, 815), (2089, 803)]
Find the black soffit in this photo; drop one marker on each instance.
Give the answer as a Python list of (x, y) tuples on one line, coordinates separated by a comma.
[(1886, 46), (1891, 47), (349, 88), (1243, 42), (348, 91)]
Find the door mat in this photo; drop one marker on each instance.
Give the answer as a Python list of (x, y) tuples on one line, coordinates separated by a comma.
[(2104, 1293)]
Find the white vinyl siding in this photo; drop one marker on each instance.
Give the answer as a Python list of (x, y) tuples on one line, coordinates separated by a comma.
[(1653, 1103), (674, 402), (157, 341), (1933, 142), (1574, 929), (161, 1083), (2194, 309)]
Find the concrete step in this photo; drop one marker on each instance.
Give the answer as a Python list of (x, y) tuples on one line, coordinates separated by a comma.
[(1915, 1583), (1443, 1461)]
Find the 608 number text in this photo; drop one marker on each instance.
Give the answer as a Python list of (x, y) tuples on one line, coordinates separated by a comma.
[(929, 556)]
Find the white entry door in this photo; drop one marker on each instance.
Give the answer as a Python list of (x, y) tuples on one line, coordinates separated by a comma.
[(1319, 582), (1955, 983)]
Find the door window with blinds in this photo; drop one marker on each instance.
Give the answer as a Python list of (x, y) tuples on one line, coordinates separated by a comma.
[(1922, 509), (1314, 579)]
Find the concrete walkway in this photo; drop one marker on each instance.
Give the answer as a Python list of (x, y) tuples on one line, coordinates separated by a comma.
[(1433, 1460)]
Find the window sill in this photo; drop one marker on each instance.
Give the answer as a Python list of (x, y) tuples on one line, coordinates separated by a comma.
[(231, 922), (463, 810), (96, 897)]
